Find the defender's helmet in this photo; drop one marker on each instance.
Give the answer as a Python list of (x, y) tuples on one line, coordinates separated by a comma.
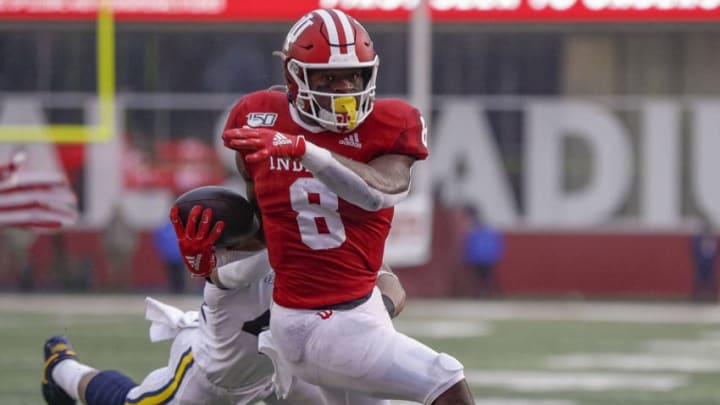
[(330, 39)]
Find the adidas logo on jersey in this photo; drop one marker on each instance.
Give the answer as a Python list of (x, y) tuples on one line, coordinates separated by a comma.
[(351, 140), (280, 139), (325, 314)]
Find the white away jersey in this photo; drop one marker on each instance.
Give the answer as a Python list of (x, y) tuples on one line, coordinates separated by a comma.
[(227, 344)]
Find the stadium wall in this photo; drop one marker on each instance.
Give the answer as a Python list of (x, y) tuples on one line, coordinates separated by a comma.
[(536, 265)]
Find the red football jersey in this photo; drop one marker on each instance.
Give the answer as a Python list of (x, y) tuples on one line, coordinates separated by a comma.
[(324, 250)]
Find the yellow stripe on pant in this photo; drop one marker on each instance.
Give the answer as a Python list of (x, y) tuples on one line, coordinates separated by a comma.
[(165, 393)]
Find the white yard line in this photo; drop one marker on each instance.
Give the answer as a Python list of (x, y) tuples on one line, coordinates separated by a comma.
[(516, 401), (59, 304), (566, 311), (548, 381), (415, 308), (712, 335), (442, 329), (700, 347), (638, 362), (507, 401)]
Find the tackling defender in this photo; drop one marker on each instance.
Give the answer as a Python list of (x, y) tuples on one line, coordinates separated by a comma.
[(214, 357), (326, 162)]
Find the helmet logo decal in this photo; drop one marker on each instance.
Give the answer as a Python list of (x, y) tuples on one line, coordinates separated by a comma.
[(297, 30)]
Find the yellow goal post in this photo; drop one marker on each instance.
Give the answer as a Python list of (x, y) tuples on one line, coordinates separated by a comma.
[(78, 133)]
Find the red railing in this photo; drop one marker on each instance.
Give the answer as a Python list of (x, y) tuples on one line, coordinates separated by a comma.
[(485, 11)]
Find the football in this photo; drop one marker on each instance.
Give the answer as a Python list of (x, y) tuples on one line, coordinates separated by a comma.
[(228, 206)]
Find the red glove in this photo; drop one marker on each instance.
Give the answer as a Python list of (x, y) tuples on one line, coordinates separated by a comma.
[(197, 248), (265, 142)]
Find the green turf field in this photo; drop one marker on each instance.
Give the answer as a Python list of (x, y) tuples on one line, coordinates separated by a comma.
[(514, 353)]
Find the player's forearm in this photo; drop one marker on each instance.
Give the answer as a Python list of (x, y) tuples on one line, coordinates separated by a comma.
[(240, 268), (389, 180), (358, 183), (389, 285)]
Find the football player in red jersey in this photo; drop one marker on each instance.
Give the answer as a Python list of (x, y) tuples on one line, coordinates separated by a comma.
[(325, 163)]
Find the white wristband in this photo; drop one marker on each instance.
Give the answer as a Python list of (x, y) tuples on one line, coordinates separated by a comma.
[(316, 158)]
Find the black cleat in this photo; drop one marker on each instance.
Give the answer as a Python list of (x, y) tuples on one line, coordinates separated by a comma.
[(57, 349)]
